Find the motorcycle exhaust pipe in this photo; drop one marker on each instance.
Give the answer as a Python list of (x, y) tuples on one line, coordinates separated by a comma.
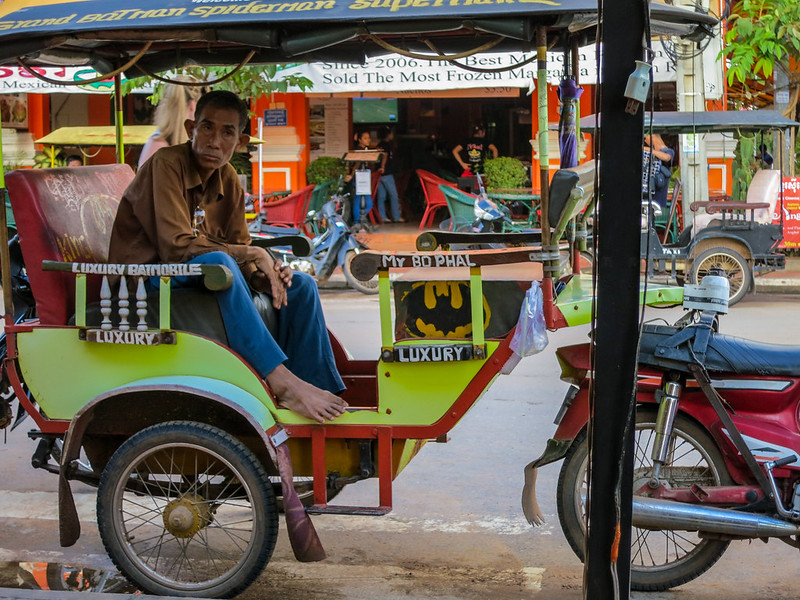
[(653, 513)]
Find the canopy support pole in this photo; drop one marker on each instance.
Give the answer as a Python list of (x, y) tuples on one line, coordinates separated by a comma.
[(5, 258), (544, 174), (118, 120), (611, 426)]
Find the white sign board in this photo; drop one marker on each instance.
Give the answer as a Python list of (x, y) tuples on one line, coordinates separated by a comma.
[(395, 73), (363, 182)]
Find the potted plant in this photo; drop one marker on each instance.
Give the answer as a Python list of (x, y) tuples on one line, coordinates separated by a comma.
[(504, 172), (324, 169)]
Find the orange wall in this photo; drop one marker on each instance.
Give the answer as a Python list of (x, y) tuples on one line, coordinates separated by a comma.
[(296, 105), (100, 113), (38, 115)]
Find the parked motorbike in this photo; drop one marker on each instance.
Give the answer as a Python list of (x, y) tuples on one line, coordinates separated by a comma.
[(334, 247), (717, 442)]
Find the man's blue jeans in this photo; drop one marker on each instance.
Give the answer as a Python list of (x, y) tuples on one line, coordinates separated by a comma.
[(302, 340), (388, 187)]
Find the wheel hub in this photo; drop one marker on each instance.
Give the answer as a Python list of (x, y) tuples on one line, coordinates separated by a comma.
[(186, 516)]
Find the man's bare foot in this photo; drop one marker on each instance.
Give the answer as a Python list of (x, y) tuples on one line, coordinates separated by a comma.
[(302, 397)]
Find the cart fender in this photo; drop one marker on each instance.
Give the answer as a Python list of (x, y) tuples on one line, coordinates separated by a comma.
[(143, 404), (711, 239), (349, 244)]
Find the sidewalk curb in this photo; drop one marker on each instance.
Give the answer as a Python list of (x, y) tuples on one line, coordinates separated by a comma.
[(777, 285)]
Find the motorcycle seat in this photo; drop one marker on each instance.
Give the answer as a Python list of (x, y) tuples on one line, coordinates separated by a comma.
[(723, 354)]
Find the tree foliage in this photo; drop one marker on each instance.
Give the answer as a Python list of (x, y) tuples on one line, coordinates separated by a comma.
[(761, 34), (247, 82)]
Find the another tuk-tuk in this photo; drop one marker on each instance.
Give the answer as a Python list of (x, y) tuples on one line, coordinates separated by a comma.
[(741, 238)]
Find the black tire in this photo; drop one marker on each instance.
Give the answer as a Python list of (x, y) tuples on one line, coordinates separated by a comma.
[(185, 509), (647, 574), (365, 287), (737, 269)]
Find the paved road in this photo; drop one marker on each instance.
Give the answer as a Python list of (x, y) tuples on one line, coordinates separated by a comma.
[(456, 531)]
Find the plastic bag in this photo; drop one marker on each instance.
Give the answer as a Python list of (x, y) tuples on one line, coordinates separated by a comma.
[(530, 336)]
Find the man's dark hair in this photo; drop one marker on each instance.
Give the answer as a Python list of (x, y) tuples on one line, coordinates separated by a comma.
[(384, 132), (225, 100)]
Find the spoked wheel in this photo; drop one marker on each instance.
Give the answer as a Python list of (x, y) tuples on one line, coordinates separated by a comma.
[(733, 264), (365, 287), (659, 559), (185, 509)]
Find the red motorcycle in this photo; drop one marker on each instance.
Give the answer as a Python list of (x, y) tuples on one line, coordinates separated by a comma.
[(716, 444)]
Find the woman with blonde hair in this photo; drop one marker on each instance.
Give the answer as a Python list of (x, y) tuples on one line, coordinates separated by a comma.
[(176, 105)]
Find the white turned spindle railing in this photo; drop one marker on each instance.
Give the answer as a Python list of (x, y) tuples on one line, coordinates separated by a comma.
[(105, 304), (124, 303), (141, 305)]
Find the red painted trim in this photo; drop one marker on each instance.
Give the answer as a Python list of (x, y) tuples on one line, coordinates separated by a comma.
[(385, 467), (43, 423), (319, 470)]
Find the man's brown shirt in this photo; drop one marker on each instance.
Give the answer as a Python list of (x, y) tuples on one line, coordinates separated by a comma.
[(154, 223)]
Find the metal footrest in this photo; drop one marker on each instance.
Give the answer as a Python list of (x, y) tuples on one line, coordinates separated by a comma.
[(364, 511)]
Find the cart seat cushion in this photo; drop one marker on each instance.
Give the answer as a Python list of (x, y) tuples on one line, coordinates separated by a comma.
[(64, 214), (764, 187)]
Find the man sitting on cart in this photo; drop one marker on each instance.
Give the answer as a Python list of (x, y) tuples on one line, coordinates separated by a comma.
[(186, 205)]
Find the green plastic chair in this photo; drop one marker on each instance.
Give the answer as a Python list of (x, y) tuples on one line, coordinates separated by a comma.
[(319, 196), (461, 206), (667, 224)]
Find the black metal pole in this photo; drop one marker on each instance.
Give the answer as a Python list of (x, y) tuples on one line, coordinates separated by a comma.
[(607, 573)]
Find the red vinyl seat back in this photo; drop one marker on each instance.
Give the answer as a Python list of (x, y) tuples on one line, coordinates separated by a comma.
[(289, 211), (434, 197), (64, 214)]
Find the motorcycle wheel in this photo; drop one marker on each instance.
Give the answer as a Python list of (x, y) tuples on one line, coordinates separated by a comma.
[(734, 265), (365, 287), (659, 559), (185, 509)]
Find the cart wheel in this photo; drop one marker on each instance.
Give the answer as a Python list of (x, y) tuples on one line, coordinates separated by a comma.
[(733, 264), (365, 287), (185, 509)]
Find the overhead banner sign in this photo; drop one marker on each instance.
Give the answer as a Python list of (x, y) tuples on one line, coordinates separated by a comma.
[(63, 80), (395, 73), (384, 74)]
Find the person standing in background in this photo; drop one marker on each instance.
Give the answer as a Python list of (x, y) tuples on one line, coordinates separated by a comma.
[(655, 154), (388, 168), (478, 150), (175, 107), (362, 142)]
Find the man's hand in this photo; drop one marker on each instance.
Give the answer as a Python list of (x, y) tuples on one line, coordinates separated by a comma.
[(276, 275)]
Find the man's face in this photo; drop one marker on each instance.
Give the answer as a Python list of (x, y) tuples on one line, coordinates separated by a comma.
[(215, 136)]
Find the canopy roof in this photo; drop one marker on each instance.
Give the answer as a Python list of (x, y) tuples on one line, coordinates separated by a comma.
[(91, 32), (104, 135), (703, 122)]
